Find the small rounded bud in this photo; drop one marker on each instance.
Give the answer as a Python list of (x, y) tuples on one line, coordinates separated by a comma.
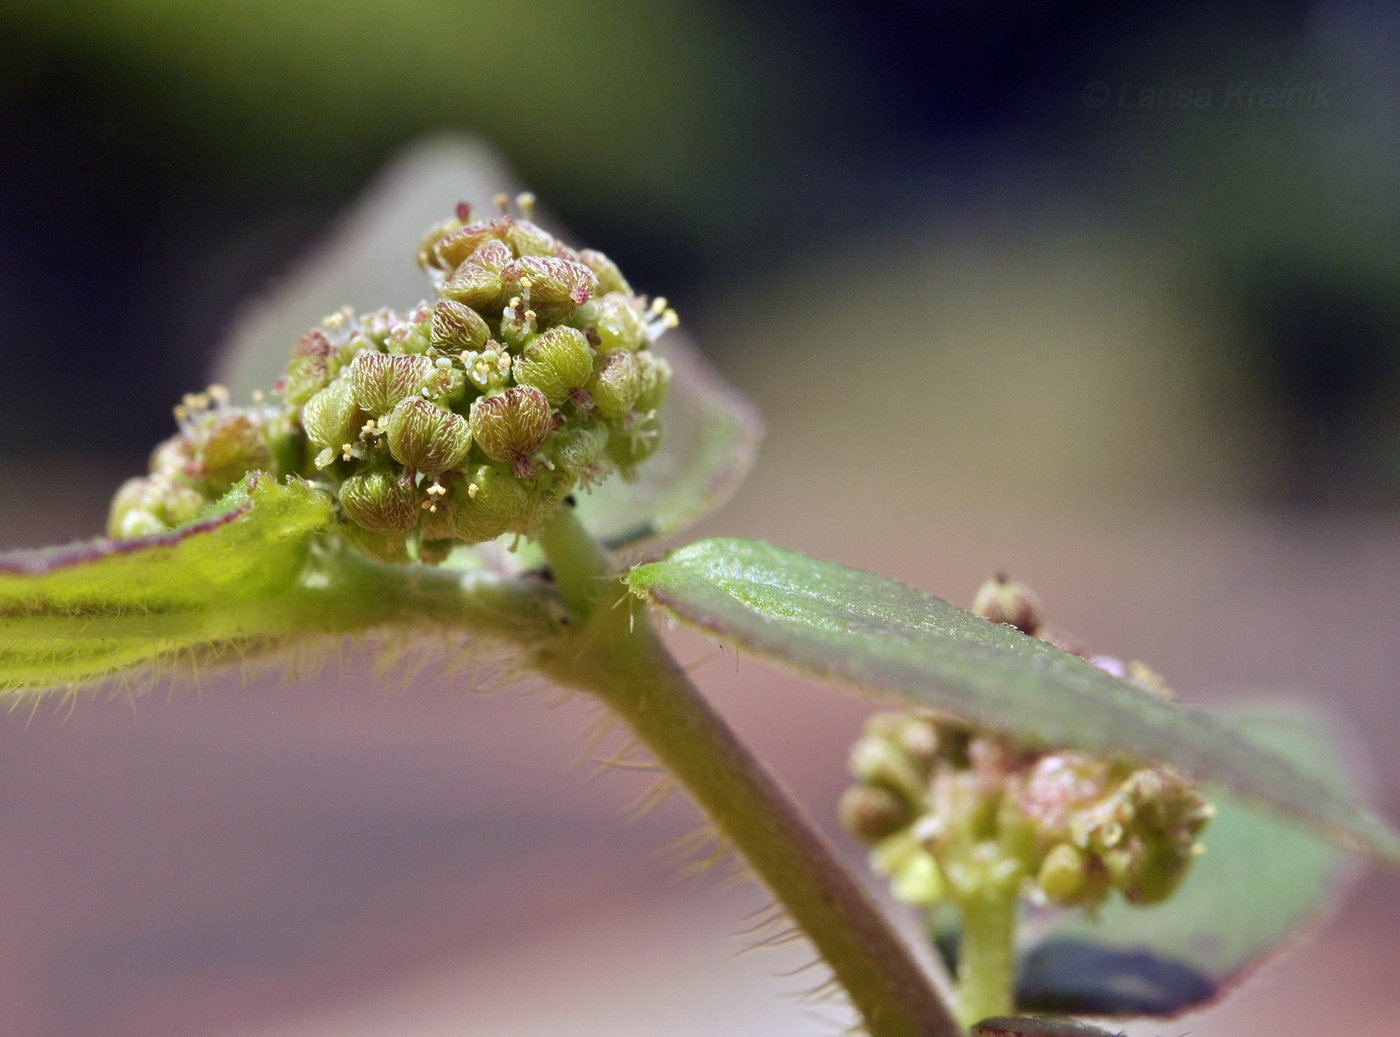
[(389, 546), (151, 504), (1010, 602), (1064, 874), (633, 439), (654, 379), (557, 285), (380, 500), (871, 812), (331, 417), (580, 452), (914, 875), (529, 239), (175, 459), (617, 384), (483, 505), (233, 446), (511, 425), (556, 363), (452, 248), (309, 370), (456, 327), (475, 286), (619, 323), (875, 761), (609, 277), (380, 380), (425, 438)]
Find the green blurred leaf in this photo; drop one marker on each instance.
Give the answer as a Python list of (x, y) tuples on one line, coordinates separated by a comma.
[(90, 609), (1267, 877), (873, 632), (251, 576)]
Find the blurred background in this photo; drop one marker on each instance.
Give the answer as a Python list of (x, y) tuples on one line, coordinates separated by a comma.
[(1106, 294)]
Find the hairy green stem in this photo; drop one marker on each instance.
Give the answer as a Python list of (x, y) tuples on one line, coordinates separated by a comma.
[(616, 655), (987, 953)]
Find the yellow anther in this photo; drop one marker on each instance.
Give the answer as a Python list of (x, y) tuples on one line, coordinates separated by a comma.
[(471, 490), (658, 305), (525, 200), (502, 201)]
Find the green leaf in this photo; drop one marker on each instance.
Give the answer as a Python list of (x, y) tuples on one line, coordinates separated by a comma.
[(87, 610), (1029, 1026), (248, 577), (882, 635)]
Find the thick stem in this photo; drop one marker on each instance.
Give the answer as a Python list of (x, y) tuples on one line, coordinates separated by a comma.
[(618, 657), (987, 953)]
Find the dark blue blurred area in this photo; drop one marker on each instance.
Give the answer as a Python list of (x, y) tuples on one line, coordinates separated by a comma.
[(149, 185)]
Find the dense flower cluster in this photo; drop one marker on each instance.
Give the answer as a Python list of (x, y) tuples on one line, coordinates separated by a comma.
[(946, 805), (529, 377)]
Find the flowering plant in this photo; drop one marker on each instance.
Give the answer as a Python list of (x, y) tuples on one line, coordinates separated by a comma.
[(471, 464)]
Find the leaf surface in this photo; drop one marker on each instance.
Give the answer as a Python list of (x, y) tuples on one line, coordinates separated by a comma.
[(878, 634), (90, 609)]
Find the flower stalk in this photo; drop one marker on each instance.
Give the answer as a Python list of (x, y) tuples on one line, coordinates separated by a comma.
[(620, 658)]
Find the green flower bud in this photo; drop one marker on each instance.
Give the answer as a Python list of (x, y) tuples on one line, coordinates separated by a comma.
[(447, 385), (580, 453), (152, 504), (381, 500), (872, 812), (425, 438), (654, 378), (428, 258), (633, 439), (1010, 602), (389, 546), (310, 368), (914, 875), (619, 323), (380, 380), (616, 385), (556, 363), (332, 418), (1064, 876), (475, 286), (553, 287), (456, 327), (413, 335), (875, 761), (233, 446), (528, 239), (609, 277), (512, 425), (484, 504), (175, 459), (453, 248)]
